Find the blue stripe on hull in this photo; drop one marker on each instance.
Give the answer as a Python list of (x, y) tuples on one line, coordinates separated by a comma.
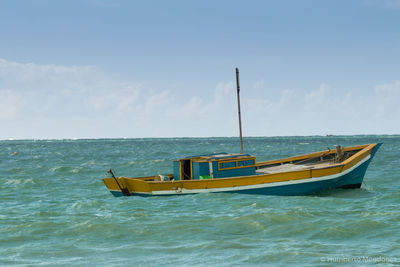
[(119, 194), (116, 193), (354, 177)]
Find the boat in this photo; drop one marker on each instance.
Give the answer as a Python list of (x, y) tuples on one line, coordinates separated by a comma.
[(241, 173)]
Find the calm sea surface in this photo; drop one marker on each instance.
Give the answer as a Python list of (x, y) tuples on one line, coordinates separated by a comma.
[(55, 210)]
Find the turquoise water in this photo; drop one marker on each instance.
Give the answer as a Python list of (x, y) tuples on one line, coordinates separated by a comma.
[(55, 210)]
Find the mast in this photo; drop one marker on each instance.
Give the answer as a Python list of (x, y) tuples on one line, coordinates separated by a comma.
[(240, 119)]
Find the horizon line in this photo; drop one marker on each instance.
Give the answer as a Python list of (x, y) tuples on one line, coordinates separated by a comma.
[(189, 137)]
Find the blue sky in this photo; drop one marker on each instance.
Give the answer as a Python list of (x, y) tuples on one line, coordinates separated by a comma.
[(97, 68)]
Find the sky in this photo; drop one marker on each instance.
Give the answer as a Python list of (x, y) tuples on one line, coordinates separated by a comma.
[(114, 69)]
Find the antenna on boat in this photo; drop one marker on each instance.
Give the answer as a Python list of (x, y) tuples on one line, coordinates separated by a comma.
[(240, 119)]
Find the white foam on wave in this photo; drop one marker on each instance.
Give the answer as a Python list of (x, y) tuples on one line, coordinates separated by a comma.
[(74, 206), (54, 169), (75, 170), (19, 181)]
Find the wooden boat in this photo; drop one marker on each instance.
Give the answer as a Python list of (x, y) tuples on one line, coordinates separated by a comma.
[(240, 173)]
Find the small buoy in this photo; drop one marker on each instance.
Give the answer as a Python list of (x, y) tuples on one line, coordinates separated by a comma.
[(15, 153)]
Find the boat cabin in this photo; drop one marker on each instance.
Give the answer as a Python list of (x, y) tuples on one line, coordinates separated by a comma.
[(214, 166)]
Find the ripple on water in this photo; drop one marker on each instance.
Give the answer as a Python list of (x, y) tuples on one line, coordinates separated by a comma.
[(19, 181), (55, 210)]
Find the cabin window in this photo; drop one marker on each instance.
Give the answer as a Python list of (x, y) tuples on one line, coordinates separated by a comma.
[(229, 164), (235, 164), (243, 163)]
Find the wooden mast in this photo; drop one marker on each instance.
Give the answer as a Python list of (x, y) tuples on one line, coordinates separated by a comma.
[(240, 119)]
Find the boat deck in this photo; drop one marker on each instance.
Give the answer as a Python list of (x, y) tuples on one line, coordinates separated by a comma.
[(289, 167)]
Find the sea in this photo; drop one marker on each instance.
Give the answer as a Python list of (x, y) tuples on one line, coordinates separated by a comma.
[(56, 211)]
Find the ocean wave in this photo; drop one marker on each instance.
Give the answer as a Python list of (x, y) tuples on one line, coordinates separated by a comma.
[(56, 210), (19, 181)]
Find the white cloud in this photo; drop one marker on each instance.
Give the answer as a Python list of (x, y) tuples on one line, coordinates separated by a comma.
[(28, 76), (51, 90), (316, 96), (9, 104), (194, 107), (390, 91), (385, 100), (327, 110), (50, 101), (223, 91), (257, 103), (258, 84), (158, 101), (121, 98)]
